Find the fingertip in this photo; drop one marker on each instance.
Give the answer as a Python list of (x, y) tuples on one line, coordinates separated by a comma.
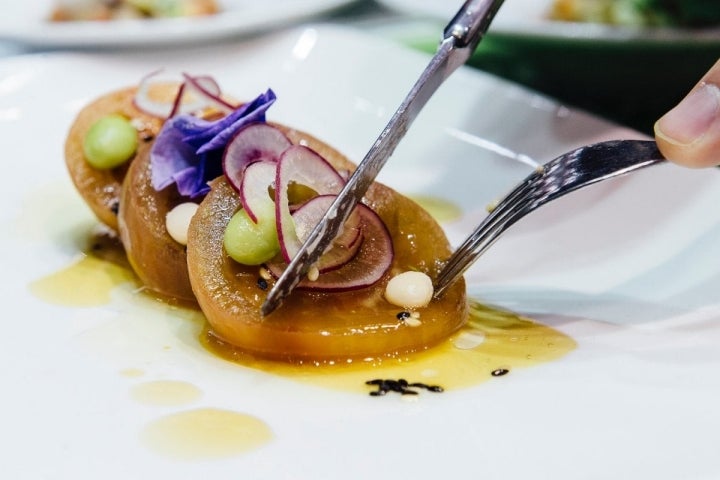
[(689, 134), (700, 154)]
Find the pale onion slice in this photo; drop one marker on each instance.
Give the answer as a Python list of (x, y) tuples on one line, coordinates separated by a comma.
[(252, 143), (303, 166), (371, 262)]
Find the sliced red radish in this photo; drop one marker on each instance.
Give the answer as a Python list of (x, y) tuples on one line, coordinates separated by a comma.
[(193, 95), (255, 197), (347, 243), (371, 262), (252, 143), (146, 102), (207, 89), (303, 166)]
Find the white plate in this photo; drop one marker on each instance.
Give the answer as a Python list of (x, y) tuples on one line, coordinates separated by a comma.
[(529, 18), (26, 22), (628, 269)]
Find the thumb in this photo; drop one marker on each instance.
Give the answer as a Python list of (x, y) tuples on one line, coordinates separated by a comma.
[(689, 134)]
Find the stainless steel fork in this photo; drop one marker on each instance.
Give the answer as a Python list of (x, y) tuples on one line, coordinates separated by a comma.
[(562, 175)]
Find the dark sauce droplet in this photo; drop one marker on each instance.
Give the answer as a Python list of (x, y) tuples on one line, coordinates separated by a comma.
[(400, 386), (500, 372), (262, 283)]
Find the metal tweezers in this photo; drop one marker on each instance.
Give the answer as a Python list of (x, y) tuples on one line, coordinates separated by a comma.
[(460, 39)]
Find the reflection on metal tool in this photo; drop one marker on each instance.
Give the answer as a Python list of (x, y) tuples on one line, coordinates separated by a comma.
[(460, 38)]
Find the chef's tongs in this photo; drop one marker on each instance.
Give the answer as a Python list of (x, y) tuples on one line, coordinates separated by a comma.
[(460, 38)]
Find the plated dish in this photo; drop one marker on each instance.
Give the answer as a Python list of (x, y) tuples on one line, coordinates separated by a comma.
[(619, 282), (531, 18), (28, 23)]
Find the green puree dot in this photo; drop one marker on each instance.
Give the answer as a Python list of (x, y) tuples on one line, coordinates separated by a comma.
[(251, 243), (110, 142)]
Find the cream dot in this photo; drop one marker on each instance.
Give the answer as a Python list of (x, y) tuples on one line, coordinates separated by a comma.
[(409, 289), (178, 219)]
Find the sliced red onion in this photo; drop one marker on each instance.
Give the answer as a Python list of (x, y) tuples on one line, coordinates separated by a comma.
[(371, 262), (253, 143), (255, 192), (301, 165), (344, 247)]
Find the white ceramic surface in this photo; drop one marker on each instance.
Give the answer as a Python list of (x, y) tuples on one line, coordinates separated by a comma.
[(628, 269), (528, 18), (26, 22)]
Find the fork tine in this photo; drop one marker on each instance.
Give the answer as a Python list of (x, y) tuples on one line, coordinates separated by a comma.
[(497, 221), (564, 174)]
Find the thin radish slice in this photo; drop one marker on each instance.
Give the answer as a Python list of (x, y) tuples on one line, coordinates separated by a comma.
[(193, 95), (372, 261), (252, 143), (255, 188), (207, 88), (146, 102), (303, 166), (344, 247)]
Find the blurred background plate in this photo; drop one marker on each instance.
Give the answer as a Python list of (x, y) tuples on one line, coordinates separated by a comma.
[(630, 75), (26, 23)]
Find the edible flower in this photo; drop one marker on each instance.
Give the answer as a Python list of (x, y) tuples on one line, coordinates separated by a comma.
[(188, 150)]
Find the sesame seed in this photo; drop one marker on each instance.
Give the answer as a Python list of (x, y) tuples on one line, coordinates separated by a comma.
[(412, 322), (313, 273), (265, 273)]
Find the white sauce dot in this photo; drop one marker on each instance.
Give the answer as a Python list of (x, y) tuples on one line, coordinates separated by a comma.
[(409, 290), (178, 219)]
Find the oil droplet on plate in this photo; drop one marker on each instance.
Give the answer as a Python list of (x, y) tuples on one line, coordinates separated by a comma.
[(89, 281), (86, 283), (166, 393), (206, 434), (132, 372)]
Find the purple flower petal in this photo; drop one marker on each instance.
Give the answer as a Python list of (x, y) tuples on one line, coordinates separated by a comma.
[(170, 156), (187, 148)]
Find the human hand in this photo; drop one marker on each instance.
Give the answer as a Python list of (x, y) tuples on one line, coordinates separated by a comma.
[(689, 134)]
